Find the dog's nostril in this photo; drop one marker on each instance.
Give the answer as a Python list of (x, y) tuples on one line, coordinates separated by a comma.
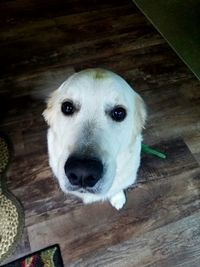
[(90, 181), (91, 178), (73, 177)]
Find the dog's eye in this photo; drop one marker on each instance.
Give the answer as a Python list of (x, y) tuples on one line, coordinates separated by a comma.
[(118, 114), (67, 108)]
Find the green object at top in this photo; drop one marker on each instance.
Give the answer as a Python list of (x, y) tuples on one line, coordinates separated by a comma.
[(151, 151), (178, 21)]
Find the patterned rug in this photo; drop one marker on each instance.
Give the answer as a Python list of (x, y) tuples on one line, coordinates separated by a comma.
[(11, 213), (48, 257)]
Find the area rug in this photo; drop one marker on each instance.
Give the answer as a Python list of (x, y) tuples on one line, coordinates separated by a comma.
[(11, 213), (48, 257)]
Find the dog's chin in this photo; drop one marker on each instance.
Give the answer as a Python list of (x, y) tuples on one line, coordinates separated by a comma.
[(75, 189), (99, 189)]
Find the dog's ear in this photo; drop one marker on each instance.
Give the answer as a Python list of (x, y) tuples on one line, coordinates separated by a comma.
[(140, 113), (49, 113)]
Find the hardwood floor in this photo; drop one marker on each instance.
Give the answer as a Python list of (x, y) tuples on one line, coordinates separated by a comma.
[(41, 43)]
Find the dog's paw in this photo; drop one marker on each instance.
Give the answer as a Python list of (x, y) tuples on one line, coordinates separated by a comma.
[(118, 200)]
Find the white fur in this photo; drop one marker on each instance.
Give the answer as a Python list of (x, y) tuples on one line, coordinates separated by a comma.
[(118, 144)]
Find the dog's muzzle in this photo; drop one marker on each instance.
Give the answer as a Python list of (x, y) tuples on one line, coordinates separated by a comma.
[(83, 172)]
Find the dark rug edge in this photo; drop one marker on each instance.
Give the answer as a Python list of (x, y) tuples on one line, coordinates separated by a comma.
[(38, 252)]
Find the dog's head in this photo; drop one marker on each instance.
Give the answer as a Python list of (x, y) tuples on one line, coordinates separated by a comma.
[(94, 117)]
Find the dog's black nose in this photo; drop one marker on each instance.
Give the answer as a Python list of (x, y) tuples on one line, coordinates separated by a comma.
[(83, 172)]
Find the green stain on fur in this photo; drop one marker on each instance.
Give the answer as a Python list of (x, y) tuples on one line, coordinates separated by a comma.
[(99, 74)]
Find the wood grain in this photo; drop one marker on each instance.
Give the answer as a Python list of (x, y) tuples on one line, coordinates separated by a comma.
[(148, 208), (172, 245)]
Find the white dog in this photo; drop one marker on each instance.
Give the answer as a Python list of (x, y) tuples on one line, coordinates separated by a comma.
[(94, 138)]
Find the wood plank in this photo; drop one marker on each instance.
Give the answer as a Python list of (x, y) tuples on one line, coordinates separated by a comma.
[(176, 244), (44, 36), (179, 160), (87, 229), (193, 142), (15, 11), (39, 50), (82, 23)]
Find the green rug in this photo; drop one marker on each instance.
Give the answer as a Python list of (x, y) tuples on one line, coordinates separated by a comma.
[(178, 22), (11, 213)]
